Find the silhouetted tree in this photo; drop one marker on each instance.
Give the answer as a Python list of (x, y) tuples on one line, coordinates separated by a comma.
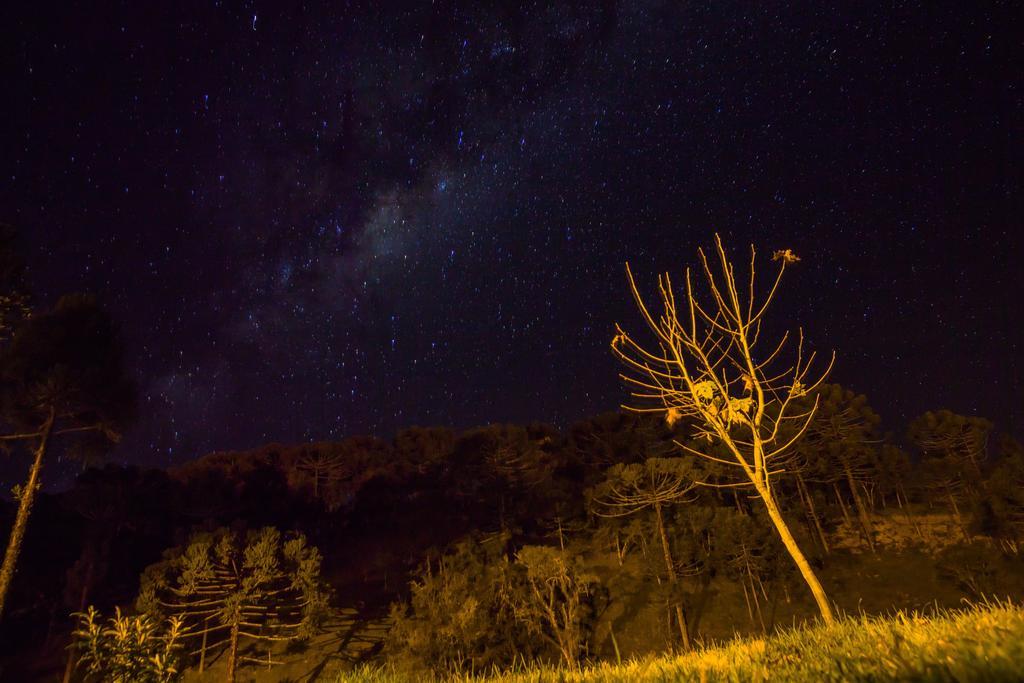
[(952, 449), (322, 464), (103, 498), (61, 374), (14, 298)]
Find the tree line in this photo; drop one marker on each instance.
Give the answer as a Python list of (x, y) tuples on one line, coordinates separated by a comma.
[(498, 544)]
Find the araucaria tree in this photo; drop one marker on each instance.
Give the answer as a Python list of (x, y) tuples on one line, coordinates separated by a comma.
[(61, 375), (707, 367), (258, 587), (653, 485)]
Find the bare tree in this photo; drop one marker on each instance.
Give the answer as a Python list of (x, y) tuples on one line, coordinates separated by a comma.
[(706, 367)]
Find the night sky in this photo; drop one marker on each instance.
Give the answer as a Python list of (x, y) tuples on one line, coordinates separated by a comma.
[(352, 218)]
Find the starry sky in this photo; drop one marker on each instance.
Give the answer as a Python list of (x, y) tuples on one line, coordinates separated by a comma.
[(352, 217)]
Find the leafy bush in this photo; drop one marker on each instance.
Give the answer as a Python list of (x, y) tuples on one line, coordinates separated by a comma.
[(135, 649), (260, 587), (457, 618)]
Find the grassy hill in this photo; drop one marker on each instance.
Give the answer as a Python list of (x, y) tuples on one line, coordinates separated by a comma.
[(979, 643)]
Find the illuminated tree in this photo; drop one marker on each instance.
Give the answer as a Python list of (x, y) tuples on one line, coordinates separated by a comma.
[(707, 368), (457, 616), (655, 484), (556, 601), (258, 588), (129, 649), (61, 374)]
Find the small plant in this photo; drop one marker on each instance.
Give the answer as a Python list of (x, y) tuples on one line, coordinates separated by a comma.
[(134, 649)]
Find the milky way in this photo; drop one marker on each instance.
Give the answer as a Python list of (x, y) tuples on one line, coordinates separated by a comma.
[(350, 219)]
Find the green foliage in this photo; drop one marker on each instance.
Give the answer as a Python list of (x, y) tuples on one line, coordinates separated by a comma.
[(132, 649), (260, 586), (457, 618), (556, 599)]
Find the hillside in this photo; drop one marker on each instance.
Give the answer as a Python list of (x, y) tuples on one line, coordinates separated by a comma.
[(980, 643)]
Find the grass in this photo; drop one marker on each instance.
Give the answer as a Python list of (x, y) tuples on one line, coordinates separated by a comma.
[(980, 643)]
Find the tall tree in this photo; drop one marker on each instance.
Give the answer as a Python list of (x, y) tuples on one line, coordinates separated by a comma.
[(324, 465), (556, 600), (707, 367), (953, 448), (842, 439), (62, 374), (653, 485)]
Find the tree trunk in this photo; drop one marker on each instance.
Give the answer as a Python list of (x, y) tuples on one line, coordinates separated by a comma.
[(746, 598), (26, 499), (842, 503), (233, 650), (904, 503), (957, 515), (798, 557), (862, 512), (202, 650), (806, 493), (672, 578), (70, 666), (753, 592)]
